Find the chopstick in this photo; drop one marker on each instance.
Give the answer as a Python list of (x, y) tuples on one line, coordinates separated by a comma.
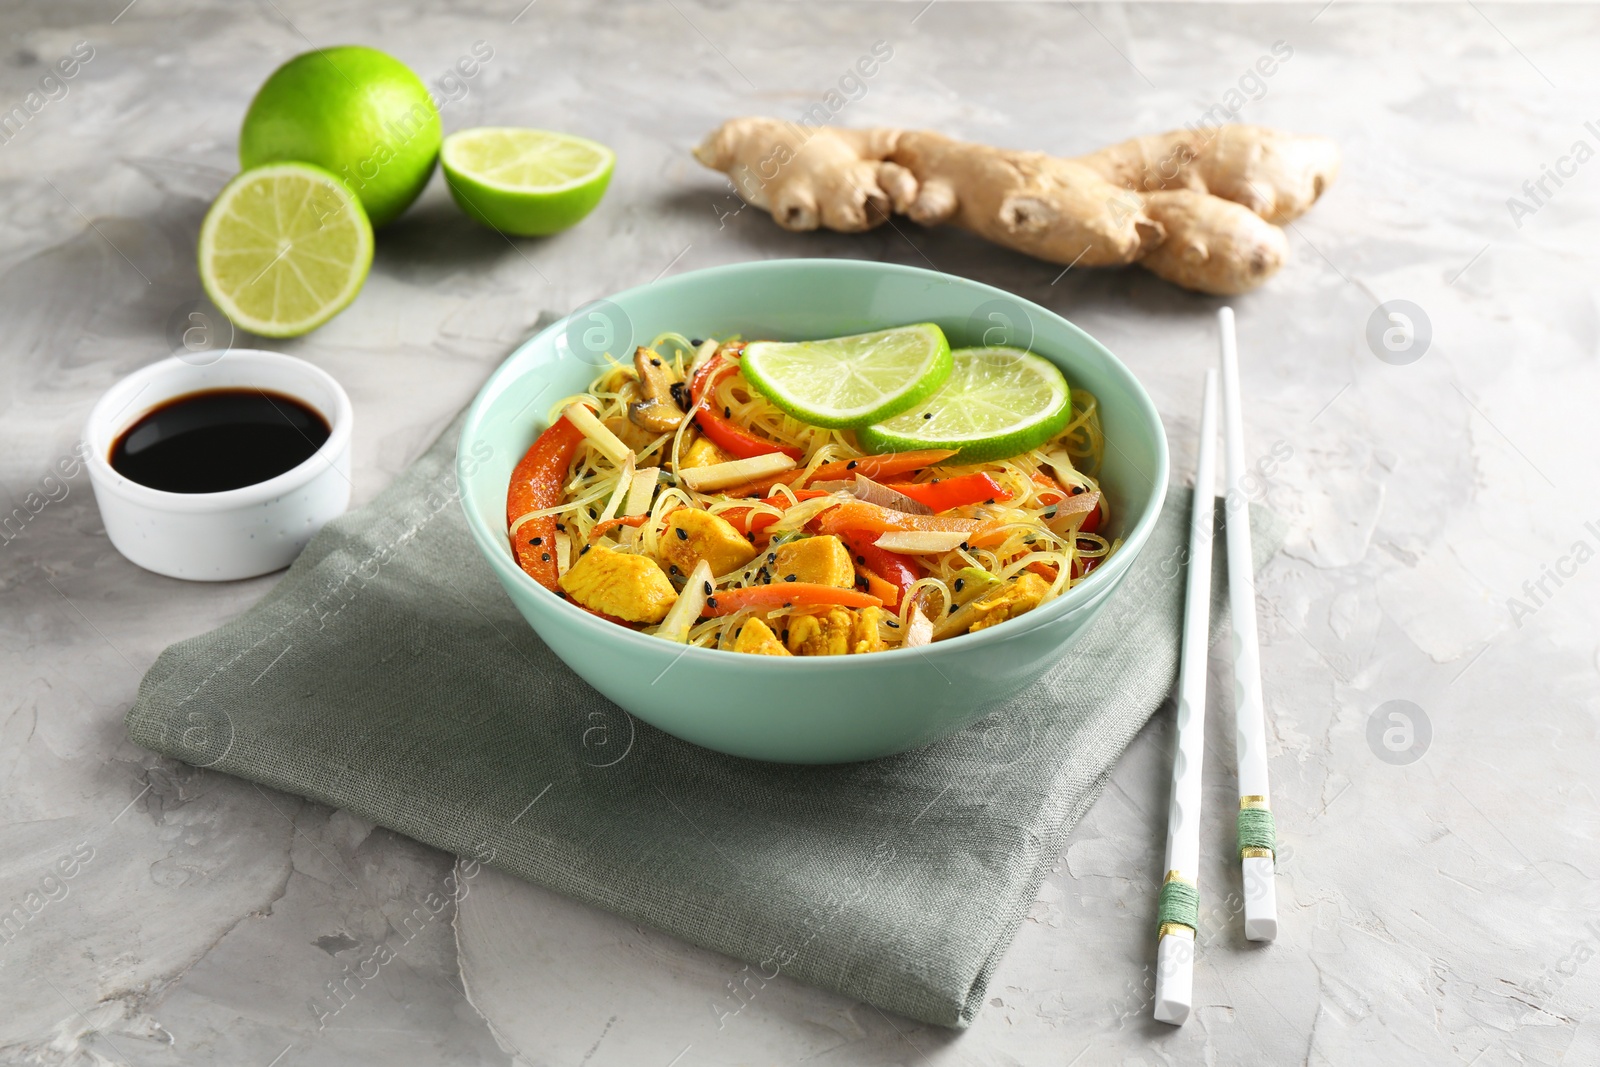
[(1179, 913), (1256, 835)]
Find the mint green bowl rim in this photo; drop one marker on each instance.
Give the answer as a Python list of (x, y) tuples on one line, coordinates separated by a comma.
[(495, 544)]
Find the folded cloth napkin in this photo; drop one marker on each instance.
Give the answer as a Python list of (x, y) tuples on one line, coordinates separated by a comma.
[(388, 674)]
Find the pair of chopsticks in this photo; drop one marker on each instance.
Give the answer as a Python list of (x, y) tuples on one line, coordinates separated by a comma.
[(1179, 912)]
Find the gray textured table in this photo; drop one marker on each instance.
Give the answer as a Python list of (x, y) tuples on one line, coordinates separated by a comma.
[(1438, 890)]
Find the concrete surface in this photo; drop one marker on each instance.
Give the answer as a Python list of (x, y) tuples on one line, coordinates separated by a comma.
[(1437, 892)]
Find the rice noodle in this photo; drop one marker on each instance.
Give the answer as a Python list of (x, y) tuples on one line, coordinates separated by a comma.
[(1033, 535)]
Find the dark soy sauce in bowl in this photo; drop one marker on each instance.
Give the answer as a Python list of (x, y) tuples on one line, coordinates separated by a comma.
[(219, 439)]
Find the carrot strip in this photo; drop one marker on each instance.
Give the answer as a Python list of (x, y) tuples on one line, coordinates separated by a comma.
[(603, 528), (888, 465), (857, 515), (787, 595)]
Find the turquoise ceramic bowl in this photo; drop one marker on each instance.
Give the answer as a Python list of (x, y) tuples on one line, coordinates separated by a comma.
[(806, 710)]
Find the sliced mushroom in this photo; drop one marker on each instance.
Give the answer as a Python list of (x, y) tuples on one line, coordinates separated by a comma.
[(656, 409)]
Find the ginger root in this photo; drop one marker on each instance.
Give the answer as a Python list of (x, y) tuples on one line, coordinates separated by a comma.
[(1200, 208)]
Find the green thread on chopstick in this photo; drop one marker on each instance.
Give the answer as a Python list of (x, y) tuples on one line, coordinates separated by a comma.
[(1179, 905), (1258, 834)]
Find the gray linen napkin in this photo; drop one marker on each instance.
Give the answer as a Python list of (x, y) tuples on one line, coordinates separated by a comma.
[(387, 674)]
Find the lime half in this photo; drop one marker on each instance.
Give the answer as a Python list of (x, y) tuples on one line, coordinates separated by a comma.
[(997, 402), (525, 182), (850, 381), (284, 249)]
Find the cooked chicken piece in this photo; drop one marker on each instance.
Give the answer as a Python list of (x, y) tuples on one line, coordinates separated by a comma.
[(693, 535), (702, 454), (1010, 600), (635, 438), (630, 587), (823, 560), (756, 637), (656, 409), (864, 636), (820, 635)]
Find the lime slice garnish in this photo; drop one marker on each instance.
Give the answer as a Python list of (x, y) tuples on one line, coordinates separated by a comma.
[(284, 249), (997, 402), (850, 381), (525, 182)]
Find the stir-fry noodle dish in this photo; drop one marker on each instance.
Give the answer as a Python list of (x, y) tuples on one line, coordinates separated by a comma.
[(843, 496)]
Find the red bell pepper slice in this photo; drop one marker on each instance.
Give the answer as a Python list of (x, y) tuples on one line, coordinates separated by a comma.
[(538, 483), (942, 494), (898, 571), (734, 440)]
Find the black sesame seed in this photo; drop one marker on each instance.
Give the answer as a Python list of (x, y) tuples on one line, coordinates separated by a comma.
[(537, 541), (683, 535), (861, 560), (952, 609), (655, 363), (791, 577), (674, 569), (707, 587), (727, 412), (772, 557), (545, 556), (561, 526), (891, 622), (1077, 489), (711, 601), (584, 549), (850, 466), (961, 584), (964, 547), (697, 344), (927, 414)]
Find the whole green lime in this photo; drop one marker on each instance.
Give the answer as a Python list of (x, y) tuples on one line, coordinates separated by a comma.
[(354, 111)]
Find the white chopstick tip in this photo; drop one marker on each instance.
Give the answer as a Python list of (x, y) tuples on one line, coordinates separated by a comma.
[(1260, 899), (1174, 980)]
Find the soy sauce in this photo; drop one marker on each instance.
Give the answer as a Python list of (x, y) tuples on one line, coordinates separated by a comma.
[(220, 439)]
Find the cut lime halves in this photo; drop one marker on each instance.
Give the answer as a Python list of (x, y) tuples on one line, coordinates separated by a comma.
[(525, 182), (997, 402), (846, 382), (284, 249)]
